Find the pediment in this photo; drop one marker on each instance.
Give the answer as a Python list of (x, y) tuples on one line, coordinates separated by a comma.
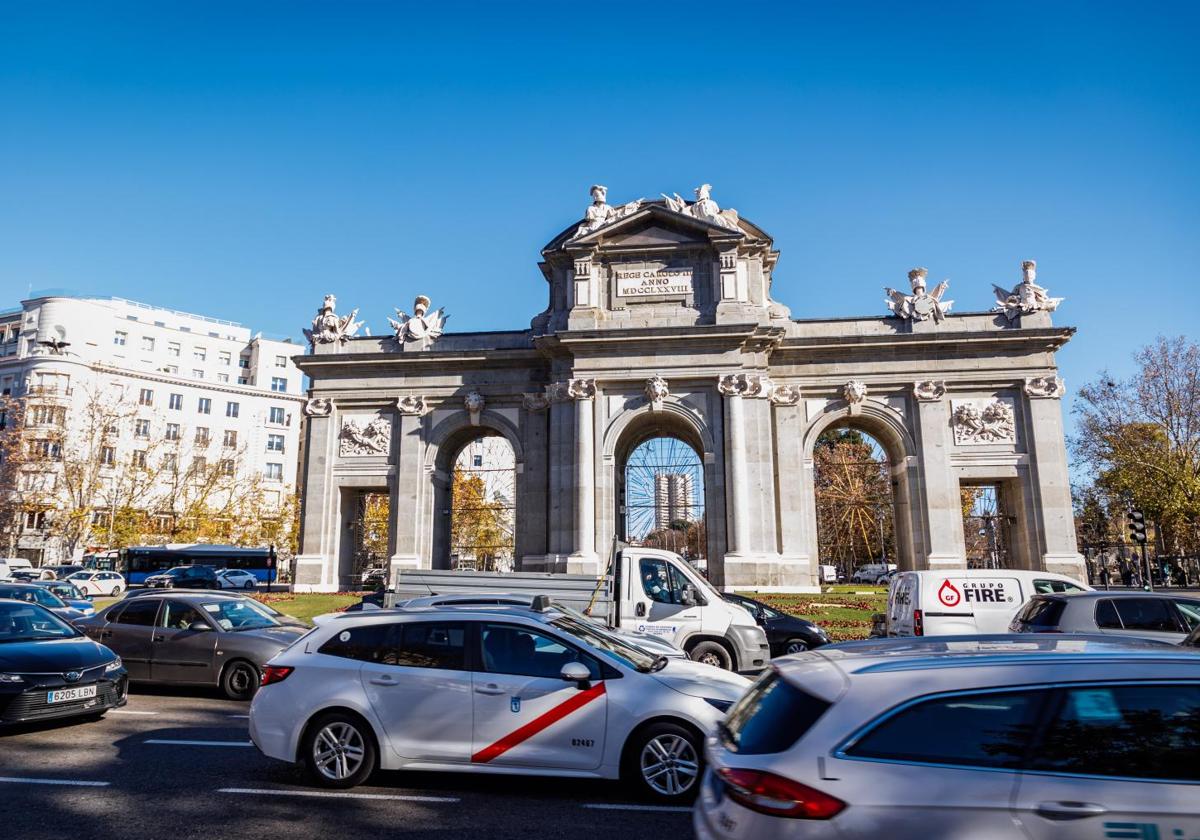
[(653, 225)]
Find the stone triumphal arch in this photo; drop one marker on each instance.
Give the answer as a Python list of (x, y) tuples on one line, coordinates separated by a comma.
[(660, 322)]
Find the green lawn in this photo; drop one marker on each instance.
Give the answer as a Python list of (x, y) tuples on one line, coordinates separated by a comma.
[(842, 611), (302, 606)]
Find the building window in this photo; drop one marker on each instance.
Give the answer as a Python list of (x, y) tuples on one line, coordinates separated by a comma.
[(222, 377), (147, 343), (120, 337), (139, 458), (170, 462), (204, 406), (231, 409), (173, 370), (226, 357), (202, 436), (227, 466), (278, 383), (199, 354), (243, 361), (141, 428), (108, 456), (176, 402), (172, 431), (274, 443), (274, 472), (277, 415), (281, 361), (35, 520), (199, 466), (243, 380), (173, 349), (145, 397), (48, 415), (230, 439), (197, 373)]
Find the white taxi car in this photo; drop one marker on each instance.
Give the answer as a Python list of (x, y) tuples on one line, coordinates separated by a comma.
[(98, 583), (503, 689), (989, 736)]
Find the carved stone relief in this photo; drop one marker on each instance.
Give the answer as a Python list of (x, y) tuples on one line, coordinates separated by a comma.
[(1045, 387), (1026, 297), (411, 405), (422, 324), (474, 402), (656, 391), (929, 390), (581, 389), (318, 407), (329, 327), (785, 394), (855, 393), (365, 436), (992, 423)]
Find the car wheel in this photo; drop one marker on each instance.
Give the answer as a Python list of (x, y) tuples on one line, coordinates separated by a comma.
[(248, 584), (339, 751), (116, 590), (711, 653), (664, 762), (240, 680), (795, 646)]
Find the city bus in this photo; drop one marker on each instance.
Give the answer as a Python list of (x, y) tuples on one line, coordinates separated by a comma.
[(136, 563)]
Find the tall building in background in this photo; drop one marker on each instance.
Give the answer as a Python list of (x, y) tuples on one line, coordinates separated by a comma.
[(672, 499), (126, 405)]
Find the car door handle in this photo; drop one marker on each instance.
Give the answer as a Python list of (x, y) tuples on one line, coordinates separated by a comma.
[(1069, 810), (383, 681), (158, 638), (489, 689)]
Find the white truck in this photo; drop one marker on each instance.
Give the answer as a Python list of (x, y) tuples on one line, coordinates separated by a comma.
[(646, 590)]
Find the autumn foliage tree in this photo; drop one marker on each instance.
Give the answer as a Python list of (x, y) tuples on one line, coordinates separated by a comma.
[(1140, 440), (479, 527)]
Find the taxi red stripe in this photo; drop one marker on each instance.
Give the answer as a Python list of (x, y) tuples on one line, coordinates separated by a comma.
[(549, 718)]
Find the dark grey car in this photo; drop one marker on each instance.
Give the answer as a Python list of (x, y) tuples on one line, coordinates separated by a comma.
[(192, 639), (1166, 616)]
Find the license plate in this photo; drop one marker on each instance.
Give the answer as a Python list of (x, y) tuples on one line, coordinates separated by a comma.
[(65, 695)]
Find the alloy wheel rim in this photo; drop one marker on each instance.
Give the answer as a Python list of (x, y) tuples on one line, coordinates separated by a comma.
[(670, 765), (338, 751), (797, 647), (240, 679)]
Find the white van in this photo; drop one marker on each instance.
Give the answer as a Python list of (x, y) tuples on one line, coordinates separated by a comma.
[(965, 601), (829, 574), (8, 565), (871, 572)]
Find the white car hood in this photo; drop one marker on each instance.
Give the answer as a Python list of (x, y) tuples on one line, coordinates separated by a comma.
[(699, 680)]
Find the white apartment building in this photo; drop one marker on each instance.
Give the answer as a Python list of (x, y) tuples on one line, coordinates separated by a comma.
[(222, 397)]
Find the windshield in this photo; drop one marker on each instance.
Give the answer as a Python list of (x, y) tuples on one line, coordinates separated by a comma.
[(630, 656), (29, 623), (239, 615), (34, 594)]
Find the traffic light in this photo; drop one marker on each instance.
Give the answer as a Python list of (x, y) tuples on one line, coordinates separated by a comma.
[(1137, 526)]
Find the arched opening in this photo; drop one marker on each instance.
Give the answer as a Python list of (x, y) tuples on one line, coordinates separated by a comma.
[(855, 500), (661, 497), (482, 513), (366, 518)]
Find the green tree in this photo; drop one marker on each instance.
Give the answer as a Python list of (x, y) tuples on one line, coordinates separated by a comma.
[(1140, 439)]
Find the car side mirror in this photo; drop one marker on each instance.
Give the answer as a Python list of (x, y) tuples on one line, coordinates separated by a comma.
[(198, 625), (577, 673), (688, 596)]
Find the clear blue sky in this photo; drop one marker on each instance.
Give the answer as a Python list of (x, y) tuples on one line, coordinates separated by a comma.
[(242, 159)]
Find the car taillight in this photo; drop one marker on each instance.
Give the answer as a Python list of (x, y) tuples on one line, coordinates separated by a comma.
[(275, 673), (767, 793), (918, 623)]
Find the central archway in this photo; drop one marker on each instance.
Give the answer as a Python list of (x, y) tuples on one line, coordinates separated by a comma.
[(855, 500)]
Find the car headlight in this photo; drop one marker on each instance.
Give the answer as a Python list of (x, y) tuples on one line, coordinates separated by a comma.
[(11, 678), (115, 665), (719, 705)]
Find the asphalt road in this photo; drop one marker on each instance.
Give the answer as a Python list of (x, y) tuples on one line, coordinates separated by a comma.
[(111, 779)]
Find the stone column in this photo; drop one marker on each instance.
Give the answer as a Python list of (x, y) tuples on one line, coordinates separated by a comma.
[(315, 567), (583, 559), (943, 543), (408, 486), (1052, 499), (732, 388)]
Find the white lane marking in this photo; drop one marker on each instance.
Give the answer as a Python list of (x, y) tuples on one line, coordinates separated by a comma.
[(612, 806), (129, 712), (69, 782), (337, 795), (186, 743)]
